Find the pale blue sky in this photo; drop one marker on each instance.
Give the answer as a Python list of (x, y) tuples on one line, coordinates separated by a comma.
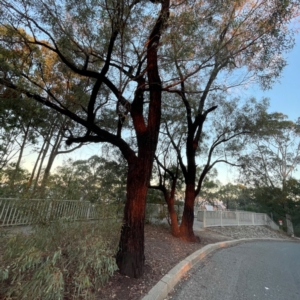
[(284, 97), (285, 94)]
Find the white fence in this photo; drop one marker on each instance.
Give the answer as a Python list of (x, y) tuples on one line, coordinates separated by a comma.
[(15, 212), (27, 211), (234, 218)]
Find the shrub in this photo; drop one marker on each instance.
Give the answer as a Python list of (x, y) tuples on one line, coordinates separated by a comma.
[(61, 260)]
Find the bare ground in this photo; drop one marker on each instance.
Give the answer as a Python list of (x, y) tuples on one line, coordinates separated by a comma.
[(162, 252)]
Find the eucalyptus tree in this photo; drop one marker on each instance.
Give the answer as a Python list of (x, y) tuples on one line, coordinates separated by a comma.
[(167, 178), (224, 137), (127, 54), (8, 147), (101, 46), (95, 179), (273, 158), (222, 44), (230, 195), (53, 142), (21, 120)]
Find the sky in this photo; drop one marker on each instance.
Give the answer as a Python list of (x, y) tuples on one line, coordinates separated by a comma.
[(284, 97), (285, 94)]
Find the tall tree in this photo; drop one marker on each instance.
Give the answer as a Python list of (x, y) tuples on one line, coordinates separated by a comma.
[(273, 158), (20, 120), (117, 63), (223, 137), (119, 51), (229, 38)]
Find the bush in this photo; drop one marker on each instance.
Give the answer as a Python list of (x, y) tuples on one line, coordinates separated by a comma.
[(63, 260)]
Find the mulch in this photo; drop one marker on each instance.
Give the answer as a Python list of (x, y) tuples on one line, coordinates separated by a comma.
[(162, 252)]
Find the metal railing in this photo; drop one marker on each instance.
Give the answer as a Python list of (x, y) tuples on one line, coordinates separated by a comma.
[(234, 218), (28, 211)]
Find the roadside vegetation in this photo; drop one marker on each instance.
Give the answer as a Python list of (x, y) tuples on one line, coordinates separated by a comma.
[(59, 260)]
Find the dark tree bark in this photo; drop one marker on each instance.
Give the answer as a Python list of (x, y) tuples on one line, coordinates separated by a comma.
[(130, 257), (186, 226), (170, 199)]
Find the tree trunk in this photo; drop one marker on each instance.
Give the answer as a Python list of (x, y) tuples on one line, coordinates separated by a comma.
[(50, 162), (18, 163), (186, 226), (170, 199), (35, 166), (48, 140), (130, 257), (173, 216)]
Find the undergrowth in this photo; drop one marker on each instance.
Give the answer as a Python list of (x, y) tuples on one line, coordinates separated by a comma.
[(60, 260)]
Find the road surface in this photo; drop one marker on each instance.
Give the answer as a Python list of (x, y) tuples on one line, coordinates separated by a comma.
[(257, 270)]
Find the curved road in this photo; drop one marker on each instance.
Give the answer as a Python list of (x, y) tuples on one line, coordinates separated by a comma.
[(257, 270)]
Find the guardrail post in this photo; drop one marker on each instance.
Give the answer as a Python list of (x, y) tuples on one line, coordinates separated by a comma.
[(49, 211), (221, 218), (237, 218), (204, 218), (252, 218), (88, 211), (265, 219)]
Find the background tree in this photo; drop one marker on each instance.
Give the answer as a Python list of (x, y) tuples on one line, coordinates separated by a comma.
[(230, 195), (223, 137), (215, 40), (271, 164), (95, 179), (168, 180)]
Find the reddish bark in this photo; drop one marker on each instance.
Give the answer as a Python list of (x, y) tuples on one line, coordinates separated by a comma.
[(130, 257), (173, 215), (186, 226), (171, 203), (170, 200)]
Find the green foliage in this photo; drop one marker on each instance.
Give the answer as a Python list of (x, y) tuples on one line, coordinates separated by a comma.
[(155, 196), (265, 199), (59, 261), (20, 179), (96, 179), (269, 167), (274, 153)]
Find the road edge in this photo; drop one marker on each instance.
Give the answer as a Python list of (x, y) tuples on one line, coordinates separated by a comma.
[(161, 290)]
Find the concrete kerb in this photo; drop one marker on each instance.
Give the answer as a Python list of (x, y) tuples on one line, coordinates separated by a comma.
[(161, 290)]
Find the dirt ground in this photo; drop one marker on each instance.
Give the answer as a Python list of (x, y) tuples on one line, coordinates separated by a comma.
[(163, 252)]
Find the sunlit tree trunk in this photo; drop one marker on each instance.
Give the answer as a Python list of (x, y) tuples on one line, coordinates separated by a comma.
[(35, 166), (22, 147), (48, 142)]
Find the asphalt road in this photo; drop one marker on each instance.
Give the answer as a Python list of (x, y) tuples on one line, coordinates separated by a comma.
[(256, 270)]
